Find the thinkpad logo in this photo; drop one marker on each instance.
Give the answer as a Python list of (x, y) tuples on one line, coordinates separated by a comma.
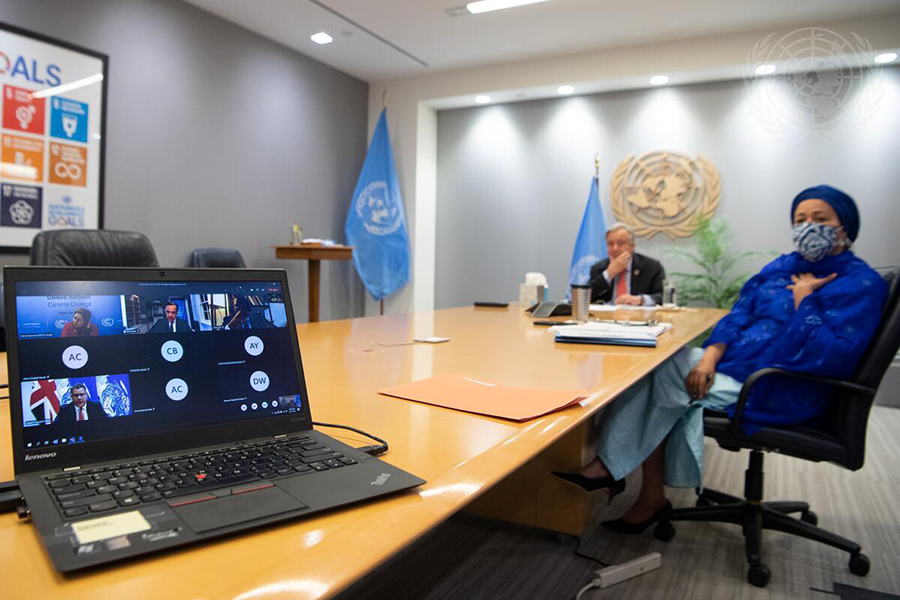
[(40, 456), (381, 479)]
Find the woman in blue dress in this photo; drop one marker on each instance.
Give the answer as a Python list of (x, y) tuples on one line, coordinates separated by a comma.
[(812, 311)]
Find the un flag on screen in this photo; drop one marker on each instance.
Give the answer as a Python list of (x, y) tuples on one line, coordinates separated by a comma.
[(376, 225), (590, 247)]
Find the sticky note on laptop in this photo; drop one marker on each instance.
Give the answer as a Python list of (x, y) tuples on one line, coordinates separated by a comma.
[(94, 530)]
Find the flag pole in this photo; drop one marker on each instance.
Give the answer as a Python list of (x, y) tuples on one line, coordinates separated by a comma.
[(597, 167), (384, 107)]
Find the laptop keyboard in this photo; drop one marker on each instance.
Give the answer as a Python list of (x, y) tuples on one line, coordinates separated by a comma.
[(106, 488)]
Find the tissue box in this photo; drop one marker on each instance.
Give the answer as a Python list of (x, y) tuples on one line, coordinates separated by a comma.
[(529, 295)]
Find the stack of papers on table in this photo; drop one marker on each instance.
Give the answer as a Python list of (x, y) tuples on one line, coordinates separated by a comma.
[(461, 392), (611, 333), (600, 308)]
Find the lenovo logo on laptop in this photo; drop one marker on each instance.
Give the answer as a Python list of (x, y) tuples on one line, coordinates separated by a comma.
[(40, 456)]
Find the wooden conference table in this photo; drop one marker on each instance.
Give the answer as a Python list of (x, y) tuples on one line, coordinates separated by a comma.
[(461, 455)]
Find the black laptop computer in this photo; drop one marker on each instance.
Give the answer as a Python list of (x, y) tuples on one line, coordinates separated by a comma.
[(156, 408)]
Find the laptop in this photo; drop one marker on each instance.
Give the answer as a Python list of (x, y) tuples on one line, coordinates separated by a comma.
[(158, 408)]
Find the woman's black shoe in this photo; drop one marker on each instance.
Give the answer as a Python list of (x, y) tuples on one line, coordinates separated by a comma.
[(592, 484), (623, 526)]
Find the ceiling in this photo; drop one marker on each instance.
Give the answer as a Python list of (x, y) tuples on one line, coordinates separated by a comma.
[(379, 40)]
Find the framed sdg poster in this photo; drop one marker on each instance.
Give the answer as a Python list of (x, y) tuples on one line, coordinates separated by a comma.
[(52, 148)]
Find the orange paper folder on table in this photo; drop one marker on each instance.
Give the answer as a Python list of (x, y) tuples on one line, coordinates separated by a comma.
[(461, 392)]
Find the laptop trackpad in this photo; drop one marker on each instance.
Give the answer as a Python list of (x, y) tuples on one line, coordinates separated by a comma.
[(240, 508)]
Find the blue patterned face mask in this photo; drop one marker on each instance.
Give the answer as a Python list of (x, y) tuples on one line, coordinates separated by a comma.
[(814, 241)]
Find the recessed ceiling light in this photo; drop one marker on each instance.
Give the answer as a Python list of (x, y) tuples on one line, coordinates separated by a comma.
[(489, 5), (765, 69), (887, 57), (321, 38), (482, 99), (565, 90), (659, 79)]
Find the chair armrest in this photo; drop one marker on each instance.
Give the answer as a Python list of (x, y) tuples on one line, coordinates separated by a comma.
[(735, 424)]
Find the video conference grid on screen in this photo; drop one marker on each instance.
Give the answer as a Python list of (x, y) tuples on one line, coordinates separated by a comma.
[(100, 360)]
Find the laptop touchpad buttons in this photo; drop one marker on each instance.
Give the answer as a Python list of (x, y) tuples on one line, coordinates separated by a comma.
[(239, 508)]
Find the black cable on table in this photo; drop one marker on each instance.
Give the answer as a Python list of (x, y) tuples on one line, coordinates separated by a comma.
[(373, 450)]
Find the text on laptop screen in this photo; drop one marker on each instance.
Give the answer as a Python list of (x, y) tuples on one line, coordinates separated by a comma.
[(101, 360)]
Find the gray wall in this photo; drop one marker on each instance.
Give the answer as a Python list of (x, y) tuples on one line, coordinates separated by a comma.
[(513, 179), (216, 136)]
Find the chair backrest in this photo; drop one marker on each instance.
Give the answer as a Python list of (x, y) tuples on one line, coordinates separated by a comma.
[(851, 414), (217, 258), (93, 248)]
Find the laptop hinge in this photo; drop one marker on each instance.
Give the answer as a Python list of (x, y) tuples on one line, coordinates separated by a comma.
[(280, 435), (67, 469)]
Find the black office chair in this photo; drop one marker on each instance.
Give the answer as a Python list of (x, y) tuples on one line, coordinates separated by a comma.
[(841, 440), (92, 248), (217, 258)]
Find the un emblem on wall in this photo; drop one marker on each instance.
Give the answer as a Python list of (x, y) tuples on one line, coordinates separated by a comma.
[(664, 192)]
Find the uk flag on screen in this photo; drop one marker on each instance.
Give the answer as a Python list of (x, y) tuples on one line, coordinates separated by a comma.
[(40, 401)]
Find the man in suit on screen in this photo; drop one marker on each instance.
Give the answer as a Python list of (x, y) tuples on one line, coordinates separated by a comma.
[(79, 409), (171, 324), (626, 277)]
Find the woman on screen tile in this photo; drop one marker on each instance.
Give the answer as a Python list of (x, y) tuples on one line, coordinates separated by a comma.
[(80, 325)]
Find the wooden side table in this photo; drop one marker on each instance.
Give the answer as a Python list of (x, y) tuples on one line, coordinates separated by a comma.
[(314, 253)]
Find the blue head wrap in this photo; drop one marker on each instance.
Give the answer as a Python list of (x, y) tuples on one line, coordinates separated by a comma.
[(842, 204)]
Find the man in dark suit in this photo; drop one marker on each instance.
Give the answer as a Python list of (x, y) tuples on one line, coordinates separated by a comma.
[(171, 324), (79, 409), (626, 277)]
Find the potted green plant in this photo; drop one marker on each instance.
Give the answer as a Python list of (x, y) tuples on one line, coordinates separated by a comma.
[(715, 285)]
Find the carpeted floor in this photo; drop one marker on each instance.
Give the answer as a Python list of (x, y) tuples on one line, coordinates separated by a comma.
[(471, 557)]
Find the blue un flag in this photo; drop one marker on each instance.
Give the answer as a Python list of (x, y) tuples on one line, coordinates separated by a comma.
[(590, 247), (375, 225)]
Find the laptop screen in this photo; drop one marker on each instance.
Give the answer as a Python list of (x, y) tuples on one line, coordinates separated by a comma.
[(99, 360)]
